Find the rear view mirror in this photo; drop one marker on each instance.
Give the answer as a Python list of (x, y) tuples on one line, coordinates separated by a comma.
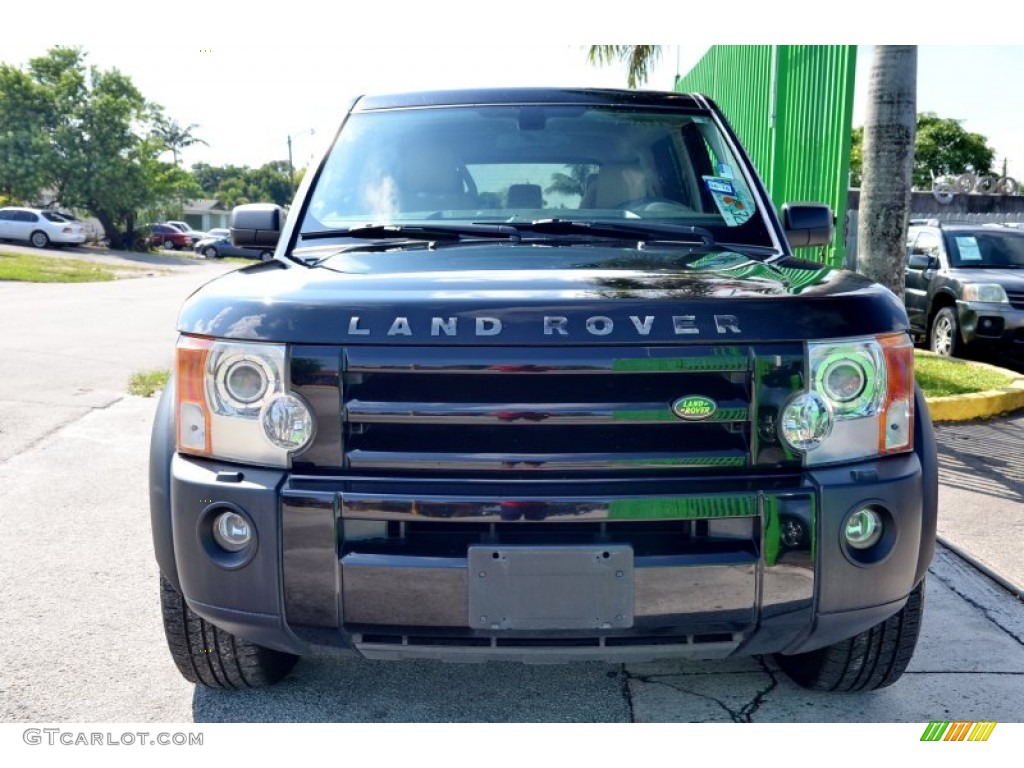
[(256, 224), (808, 224)]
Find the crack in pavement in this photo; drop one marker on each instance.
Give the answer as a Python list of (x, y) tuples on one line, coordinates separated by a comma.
[(653, 681), (743, 715), (626, 677), (747, 712)]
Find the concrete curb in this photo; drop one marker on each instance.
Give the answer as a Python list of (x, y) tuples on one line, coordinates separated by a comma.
[(967, 557), (980, 405)]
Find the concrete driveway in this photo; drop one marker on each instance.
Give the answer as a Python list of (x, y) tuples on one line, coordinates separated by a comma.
[(79, 599)]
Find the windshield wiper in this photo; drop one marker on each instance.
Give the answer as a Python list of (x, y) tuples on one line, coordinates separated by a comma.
[(419, 232), (676, 233)]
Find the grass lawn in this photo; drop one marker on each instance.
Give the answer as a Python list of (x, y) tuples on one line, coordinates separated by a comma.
[(939, 376), (21, 267)]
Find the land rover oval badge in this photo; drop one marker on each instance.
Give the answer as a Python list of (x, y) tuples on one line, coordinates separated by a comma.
[(694, 408)]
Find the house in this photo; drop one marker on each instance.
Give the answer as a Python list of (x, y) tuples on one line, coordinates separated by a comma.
[(204, 215)]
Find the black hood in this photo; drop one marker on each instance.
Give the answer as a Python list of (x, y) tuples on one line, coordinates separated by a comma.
[(728, 298)]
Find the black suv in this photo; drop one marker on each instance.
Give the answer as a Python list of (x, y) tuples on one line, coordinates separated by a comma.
[(965, 286), (534, 374)]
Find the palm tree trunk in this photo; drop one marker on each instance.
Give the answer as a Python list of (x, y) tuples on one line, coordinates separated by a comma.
[(889, 127)]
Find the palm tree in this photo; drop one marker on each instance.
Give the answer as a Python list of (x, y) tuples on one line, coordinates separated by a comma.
[(572, 183), (889, 126), (172, 135), (640, 59)]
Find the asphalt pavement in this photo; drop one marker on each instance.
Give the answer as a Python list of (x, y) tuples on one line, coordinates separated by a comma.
[(79, 607)]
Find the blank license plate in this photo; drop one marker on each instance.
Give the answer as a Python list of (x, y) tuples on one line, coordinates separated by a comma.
[(551, 588)]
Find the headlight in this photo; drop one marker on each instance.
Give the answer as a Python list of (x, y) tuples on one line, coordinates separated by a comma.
[(243, 380), (860, 402), (806, 421), (989, 293), (234, 403)]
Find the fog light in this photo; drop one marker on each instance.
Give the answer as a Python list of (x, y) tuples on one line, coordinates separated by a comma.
[(231, 531), (863, 528)]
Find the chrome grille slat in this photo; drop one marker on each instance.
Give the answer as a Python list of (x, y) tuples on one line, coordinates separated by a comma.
[(366, 412), (544, 361), (539, 462)]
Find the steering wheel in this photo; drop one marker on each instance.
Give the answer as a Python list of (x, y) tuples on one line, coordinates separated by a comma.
[(655, 206)]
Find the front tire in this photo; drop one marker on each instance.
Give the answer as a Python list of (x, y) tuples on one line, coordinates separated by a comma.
[(868, 661), (207, 655), (210, 253), (169, 245), (39, 239), (944, 337)]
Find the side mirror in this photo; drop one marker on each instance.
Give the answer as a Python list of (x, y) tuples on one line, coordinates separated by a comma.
[(256, 224), (923, 261), (808, 224)]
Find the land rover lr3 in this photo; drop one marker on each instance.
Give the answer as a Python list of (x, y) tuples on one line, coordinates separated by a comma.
[(535, 375)]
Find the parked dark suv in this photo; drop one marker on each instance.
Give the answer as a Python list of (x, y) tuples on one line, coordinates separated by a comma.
[(965, 286)]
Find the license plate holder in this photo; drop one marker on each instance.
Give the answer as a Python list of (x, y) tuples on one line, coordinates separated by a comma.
[(551, 588)]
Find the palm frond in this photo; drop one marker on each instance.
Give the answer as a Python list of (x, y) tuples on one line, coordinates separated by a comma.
[(639, 59)]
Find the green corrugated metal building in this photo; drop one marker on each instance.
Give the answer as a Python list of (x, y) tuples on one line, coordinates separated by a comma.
[(792, 107)]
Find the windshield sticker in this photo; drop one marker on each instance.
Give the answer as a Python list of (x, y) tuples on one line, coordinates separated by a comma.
[(968, 248), (735, 206), (724, 171)]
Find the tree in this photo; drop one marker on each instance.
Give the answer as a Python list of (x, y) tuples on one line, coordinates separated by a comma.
[(173, 136), (942, 148), (572, 183), (23, 142), (95, 145), (639, 59), (889, 129), (233, 185)]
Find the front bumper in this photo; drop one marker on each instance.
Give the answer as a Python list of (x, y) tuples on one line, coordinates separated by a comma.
[(392, 567), (997, 326)]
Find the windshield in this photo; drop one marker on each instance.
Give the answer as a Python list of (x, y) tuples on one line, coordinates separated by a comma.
[(524, 163), (986, 249)]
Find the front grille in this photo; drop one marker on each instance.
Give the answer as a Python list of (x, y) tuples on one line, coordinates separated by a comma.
[(725, 540), (1016, 299), (514, 410), (368, 640)]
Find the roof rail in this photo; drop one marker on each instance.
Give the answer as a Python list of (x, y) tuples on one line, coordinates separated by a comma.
[(925, 222)]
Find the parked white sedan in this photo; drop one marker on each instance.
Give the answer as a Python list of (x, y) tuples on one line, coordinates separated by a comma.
[(40, 228)]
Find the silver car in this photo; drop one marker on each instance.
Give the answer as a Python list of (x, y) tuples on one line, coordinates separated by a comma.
[(219, 244), (40, 228)]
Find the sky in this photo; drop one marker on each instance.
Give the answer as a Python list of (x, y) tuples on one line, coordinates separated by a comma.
[(248, 82)]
